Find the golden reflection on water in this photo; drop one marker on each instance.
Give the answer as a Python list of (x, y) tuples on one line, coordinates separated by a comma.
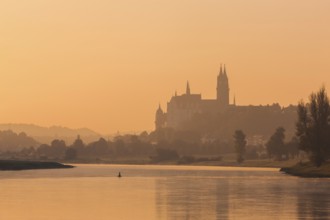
[(74, 198), (161, 192)]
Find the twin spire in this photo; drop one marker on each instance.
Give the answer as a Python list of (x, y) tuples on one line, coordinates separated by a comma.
[(224, 71)]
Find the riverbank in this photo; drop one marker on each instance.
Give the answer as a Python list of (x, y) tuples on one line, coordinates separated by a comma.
[(30, 165), (248, 163), (308, 170), (267, 163)]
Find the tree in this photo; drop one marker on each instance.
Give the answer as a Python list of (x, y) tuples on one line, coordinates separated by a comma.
[(240, 144), (70, 154), (57, 149), (275, 145), (99, 148), (163, 154), (78, 144), (292, 147), (313, 127), (120, 147)]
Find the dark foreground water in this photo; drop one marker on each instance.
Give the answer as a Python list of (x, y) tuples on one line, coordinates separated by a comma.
[(160, 192)]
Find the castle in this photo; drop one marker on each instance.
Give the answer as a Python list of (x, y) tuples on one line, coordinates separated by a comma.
[(182, 109)]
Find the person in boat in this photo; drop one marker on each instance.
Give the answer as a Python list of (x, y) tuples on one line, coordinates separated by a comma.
[(119, 174)]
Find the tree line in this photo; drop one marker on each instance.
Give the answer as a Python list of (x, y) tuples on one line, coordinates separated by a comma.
[(312, 133), (276, 147), (126, 146)]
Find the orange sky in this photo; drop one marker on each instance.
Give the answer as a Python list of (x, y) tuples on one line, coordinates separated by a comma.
[(106, 64)]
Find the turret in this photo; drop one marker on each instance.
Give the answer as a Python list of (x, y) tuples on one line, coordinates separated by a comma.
[(188, 88), (160, 118)]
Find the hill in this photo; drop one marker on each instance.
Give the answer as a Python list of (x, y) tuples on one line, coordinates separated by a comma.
[(47, 134), (11, 141)]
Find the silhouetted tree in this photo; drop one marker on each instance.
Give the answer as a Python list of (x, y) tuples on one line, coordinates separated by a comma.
[(43, 150), (275, 145), (57, 148), (240, 144), (120, 147), (138, 147), (10, 141), (78, 144), (313, 127), (292, 147), (165, 155), (28, 152), (70, 154), (99, 148)]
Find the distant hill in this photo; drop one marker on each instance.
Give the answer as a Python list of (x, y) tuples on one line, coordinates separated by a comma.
[(11, 141), (47, 134)]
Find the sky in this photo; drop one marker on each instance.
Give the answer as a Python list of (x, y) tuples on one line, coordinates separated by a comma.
[(107, 65)]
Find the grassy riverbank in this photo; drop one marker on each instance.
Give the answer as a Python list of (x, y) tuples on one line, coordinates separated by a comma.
[(308, 170), (30, 165)]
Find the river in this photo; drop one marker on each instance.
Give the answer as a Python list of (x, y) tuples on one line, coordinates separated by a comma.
[(90, 192)]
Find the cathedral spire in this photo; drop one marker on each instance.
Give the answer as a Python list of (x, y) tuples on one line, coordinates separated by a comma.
[(220, 69), (224, 71), (223, 87), (188, 88)]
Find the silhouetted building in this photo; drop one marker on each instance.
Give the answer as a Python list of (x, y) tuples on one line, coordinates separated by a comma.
[(182, 108)]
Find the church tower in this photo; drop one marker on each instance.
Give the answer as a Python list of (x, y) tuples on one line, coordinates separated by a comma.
[(223, 87)]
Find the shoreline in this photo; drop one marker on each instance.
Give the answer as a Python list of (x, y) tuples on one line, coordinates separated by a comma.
[(226, 163), (292, 168), (251, 163), (17, 165), (308, 170)]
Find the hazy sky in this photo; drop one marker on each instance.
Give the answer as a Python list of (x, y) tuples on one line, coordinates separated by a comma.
[(107, 64)]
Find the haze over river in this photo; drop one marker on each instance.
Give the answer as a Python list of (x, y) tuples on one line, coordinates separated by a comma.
[(160, 192)]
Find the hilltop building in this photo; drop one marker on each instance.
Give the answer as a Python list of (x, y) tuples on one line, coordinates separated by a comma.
[(182, 108)]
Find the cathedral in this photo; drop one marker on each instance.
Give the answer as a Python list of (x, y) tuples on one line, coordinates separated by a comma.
[(190, 111), (217, 118), (182, 108)]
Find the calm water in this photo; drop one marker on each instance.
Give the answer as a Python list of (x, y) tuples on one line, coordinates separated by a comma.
[(161, 192)]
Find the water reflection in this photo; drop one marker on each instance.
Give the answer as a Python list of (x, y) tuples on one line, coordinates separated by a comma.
[(222, 199), (237, 197), (314, 200), (192, 198), (166, 192)]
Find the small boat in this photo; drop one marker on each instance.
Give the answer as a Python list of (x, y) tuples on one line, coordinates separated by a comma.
[(119, 175)]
